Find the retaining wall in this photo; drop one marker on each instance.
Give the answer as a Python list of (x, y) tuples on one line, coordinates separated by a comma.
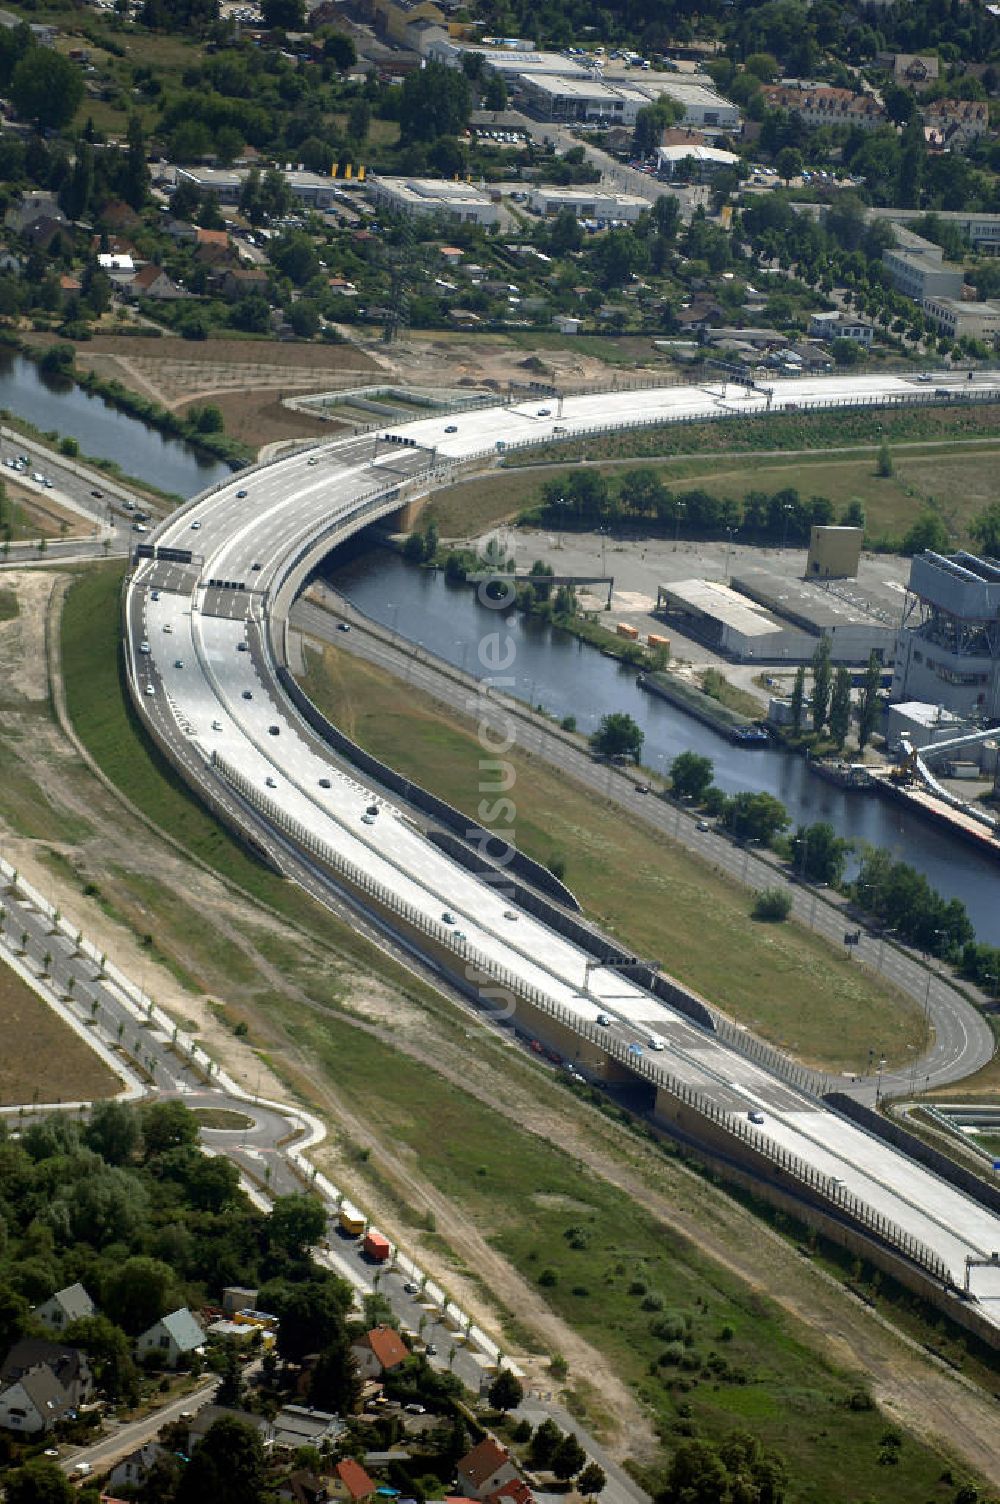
[(525, 866), (901, 1138)]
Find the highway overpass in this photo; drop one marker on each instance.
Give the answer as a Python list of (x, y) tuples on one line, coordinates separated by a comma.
[(206, 610)]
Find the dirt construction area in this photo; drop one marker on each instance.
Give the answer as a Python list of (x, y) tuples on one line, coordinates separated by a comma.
[(248, 379)]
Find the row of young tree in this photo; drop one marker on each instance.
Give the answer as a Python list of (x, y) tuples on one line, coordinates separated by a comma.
[(828, 706), (584, 499), (892, 892)]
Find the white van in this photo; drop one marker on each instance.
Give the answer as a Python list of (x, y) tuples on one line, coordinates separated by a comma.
[(654, 1042)]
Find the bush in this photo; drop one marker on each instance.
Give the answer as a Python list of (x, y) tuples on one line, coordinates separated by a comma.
[(773, 905)]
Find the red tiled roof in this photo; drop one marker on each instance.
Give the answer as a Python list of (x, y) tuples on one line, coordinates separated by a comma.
[(147, 276), (387, 1345), (354, 1478), (211, 237), (482, 1462), (514, 1492)]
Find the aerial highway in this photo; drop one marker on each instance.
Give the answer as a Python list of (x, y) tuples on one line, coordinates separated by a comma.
[(205, 607)]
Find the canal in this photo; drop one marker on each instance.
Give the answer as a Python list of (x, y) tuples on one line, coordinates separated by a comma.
[(51, 403), (568, 677)]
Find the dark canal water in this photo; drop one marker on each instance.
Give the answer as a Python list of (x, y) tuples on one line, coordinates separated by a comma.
[(102, 431), (569, 678)]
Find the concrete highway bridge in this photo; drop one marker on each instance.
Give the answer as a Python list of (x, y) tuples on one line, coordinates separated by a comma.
[(206, 642)]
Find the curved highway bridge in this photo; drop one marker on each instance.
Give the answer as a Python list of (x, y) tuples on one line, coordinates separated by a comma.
[(206, 607)]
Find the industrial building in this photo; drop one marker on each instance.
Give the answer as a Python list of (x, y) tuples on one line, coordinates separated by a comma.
[(588, 203), (314, 189), (550, 97), (694, 161), (417, 197), (960, 320), (948, 651), (768, 618), (918, 269)]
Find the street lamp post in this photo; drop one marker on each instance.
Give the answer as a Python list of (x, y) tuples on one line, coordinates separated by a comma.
[(678, 514)]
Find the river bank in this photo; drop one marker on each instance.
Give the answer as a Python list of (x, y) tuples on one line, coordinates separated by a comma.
[(551, 668)]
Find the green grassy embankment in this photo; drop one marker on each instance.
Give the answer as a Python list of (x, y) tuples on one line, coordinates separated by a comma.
[(778, 979)]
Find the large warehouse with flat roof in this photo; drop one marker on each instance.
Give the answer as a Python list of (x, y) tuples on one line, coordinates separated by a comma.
[(770, 618)]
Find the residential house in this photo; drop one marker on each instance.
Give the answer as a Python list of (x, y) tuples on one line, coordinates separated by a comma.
[(73, 1303), (379, 1351), (44, 232), (957, 122), (835, 325), (68, 1365), (514, 1492), (211, 237), (238, 281), (171, 1338), (911, 71), (202, 1423), (301, 1426), (822, 105), (153, 282), (69, 285), (33, 207), (34, 1403), (303, 1487), (134, 1469), (180, 229), (238, 1298), (350, 1483), (484, 1470)]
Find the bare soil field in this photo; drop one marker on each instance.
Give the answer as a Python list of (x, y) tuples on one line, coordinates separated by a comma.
[(42, 1059), (259, 417), (172, 371)]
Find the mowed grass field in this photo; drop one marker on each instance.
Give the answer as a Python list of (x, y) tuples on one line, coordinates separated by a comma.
[(615, 1272), (778, 979), (42, 1060), (956, 481)]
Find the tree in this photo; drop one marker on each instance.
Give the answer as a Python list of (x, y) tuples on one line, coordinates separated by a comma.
[(335, 1383), (868, 705), (39, 1482), (985, 528), (568, 1458), (884, 465), (140, 1291), (434, 101), (690, 775), (818, 853), (283, 15), (591, 1481), (134, 182), (228, 1466), (754, 817), (789, 163), (114, 1132), (618, 736), (543, 1444), (311, 1313), (798, 699), (772, 905), (822, 678), (168, 1125), (927, 532), (359, 119), (506, 1392), (110, 1353), (840, 706), (296, 1223), (46, 89), (340, 49), (494, 92)]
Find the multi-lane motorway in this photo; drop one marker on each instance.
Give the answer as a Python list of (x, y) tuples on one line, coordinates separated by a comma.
[(200, 665)]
